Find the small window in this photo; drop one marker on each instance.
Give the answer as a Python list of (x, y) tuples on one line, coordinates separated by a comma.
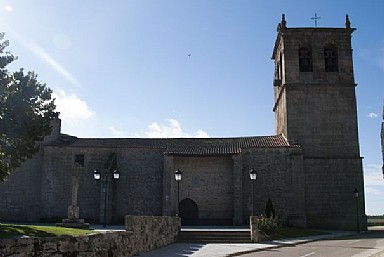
[(305, 60), (330, 59), (79, 159), (195, 182)]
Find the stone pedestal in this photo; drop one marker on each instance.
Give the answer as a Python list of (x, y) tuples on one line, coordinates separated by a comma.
[(73, 220), (255, 234), (73, 223)]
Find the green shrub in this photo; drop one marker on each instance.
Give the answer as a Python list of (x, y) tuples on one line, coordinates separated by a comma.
[(268, 224)]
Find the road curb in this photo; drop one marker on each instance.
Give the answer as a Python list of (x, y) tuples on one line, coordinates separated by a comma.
[(290, 244)]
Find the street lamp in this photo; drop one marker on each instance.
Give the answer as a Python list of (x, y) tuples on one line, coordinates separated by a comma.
[(178, 174), (105, 181), (356, 194), (253, 176)]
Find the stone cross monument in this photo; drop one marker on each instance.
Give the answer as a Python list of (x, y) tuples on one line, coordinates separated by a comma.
[(73, 220)]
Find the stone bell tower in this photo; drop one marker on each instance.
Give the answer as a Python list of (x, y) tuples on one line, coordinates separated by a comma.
[(315, 107)]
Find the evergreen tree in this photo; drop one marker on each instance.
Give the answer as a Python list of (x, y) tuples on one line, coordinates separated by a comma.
[(269, 209), (26, 111)]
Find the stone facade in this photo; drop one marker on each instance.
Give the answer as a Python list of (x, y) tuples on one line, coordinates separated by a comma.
[(309, 169)]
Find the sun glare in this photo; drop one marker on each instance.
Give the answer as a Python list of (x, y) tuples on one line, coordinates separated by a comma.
[(8, 8)]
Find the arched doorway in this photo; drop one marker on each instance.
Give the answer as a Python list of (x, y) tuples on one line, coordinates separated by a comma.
[(189, 212)]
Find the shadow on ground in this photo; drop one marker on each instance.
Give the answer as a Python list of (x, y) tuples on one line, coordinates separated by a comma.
[(8, 231), (175, 250)]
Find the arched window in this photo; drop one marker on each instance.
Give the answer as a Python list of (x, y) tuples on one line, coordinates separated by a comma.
[(278, 71), (331, 59), (305, 60)]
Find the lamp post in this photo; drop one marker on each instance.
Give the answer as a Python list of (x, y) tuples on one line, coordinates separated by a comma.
[(253, 176), (356, 194), (178, 174), (105, 181)]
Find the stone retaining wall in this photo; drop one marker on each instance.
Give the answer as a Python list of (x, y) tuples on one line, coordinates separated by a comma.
[(143, 234), (152, 232)]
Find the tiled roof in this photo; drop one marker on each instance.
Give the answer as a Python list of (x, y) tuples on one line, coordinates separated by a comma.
[(180, 146)]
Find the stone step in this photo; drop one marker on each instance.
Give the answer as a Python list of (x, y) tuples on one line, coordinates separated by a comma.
[(214, 237)]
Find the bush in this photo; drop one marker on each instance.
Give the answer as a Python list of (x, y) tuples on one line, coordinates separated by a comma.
[(267, 224)]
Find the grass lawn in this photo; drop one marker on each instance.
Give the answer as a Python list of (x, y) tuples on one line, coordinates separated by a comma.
[(11, 230), (285, 232)]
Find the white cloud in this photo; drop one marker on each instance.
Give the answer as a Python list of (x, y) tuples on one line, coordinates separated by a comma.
[(373, 176), (372, 115), (71, 107), (171, 130), (372, 167), (373, 191), (115, 132), (201, 134), (8, 8), (374, 179)]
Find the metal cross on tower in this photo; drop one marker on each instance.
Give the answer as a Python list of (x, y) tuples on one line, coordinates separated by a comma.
[(316, 18)]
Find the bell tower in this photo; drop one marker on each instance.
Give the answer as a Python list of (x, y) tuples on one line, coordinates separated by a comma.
[(315, 107)]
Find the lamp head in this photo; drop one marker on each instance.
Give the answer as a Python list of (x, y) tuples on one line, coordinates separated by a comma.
[(178, 175), (116, 174), (252, 174), (96, 174), (356, 193)]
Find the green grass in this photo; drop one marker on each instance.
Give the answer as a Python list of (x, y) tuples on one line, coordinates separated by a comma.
[(11, 230), (285, 232)]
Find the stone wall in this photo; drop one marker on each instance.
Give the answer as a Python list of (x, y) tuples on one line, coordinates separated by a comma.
[(322, 119), (137, 192), (152, 232), (20, 194), (280, 177), (330, 201), (143, 234), (209, 182)]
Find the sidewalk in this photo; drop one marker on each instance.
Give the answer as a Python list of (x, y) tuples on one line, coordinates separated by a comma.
[(223, 250)]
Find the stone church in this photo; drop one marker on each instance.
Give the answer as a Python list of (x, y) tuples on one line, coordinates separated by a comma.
[(309, 169)]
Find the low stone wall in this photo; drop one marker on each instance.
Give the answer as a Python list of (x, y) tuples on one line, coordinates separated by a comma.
[(143, 234), (151, 232), (375, 221)]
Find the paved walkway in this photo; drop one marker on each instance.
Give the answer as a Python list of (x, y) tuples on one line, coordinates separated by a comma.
[(222, 250)]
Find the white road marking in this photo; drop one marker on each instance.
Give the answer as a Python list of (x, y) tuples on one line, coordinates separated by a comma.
[(308, 254)]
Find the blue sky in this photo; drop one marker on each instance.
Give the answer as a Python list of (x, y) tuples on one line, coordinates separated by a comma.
[(186, 68)]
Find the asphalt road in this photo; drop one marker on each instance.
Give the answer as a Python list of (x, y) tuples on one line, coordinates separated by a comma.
[(361, 245)]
